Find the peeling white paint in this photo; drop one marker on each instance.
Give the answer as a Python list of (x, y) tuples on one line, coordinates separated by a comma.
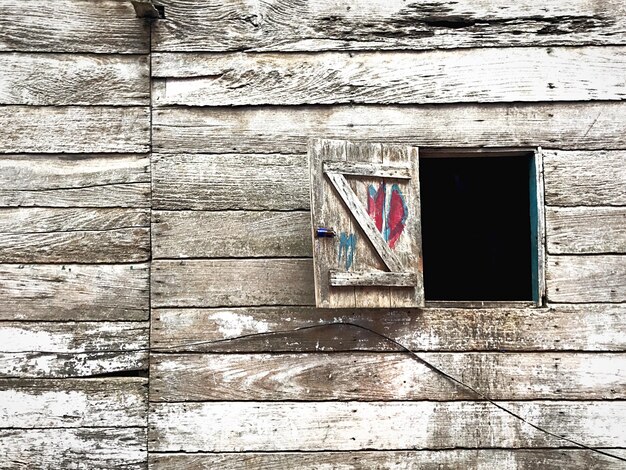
[(231, 324)]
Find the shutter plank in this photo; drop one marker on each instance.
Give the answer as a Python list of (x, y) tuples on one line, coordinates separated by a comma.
[(364, 257), (330, 214)]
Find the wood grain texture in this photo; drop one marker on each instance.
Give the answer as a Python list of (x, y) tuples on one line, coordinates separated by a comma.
[(212, 283), (75, 180), (74, 292), (252, 426), (329, 213), (70, 349), (287, 129), (480, 459), (585, 178), (74, 129), (222, 182), (230, 234), (472, 75), (572, 230), (373, 279), (600, 278), (93, 448), (386, 376), (328, 24), (593, 327), (54, 235), (62, 79), (73, 403), (106, 26)]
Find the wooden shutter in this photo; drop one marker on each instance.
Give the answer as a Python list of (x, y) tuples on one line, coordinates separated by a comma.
[(368, 195)]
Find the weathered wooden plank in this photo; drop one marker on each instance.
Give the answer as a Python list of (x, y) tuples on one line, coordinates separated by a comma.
[(73, 26), (483, 459), (599, 278), (44, 220), (71, 349), (585, 178), (72, 337), (221, 182), (212, 283), (93, 448), (74, 235), (571, 178), (74, 292), (592, 327), (386, 376), (75, 180), (74, 129), (230, 234), (73, 402), (62, 79), (514, 74), (329, 213), (365, 169), (586, 229), (391, 24), (267, 426), (363, 257), (287, 129), (373, 278)]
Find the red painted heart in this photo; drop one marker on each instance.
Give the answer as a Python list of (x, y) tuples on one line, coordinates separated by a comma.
[(389, 216)]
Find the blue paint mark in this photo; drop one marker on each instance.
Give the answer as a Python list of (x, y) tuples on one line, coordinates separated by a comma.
[(347, 246)]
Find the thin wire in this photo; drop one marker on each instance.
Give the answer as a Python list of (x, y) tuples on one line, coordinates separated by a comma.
[(387, 339)]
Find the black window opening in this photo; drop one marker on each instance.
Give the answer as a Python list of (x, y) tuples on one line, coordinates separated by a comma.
[(479, 228)]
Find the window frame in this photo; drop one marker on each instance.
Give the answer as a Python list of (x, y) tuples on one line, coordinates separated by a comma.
[(538, 230)]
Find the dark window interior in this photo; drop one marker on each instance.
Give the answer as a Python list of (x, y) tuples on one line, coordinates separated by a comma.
[(476, 228)]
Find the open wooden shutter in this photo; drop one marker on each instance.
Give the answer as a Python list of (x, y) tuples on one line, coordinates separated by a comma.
[(366, 196)]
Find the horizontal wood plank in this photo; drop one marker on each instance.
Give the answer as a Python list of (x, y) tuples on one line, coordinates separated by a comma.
[(54, 235), (599, 278), (74, 129), (573, 230), (393, 24), (62, 79), (73, 26), (509, 459), (73, 403), (275, 182), (227, 234), (222, 182), (44, 220), (253, 426), (75, 180), (70, 349), (368, 169), (460, 76), (93, 448), (585, 178), (386, 376), (593, 327), (74, 292), (373, 278), (288, 129), (212, 283)]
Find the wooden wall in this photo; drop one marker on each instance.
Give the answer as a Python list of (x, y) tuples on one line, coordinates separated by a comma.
[(74, 234), (162, 170), (238, 88)]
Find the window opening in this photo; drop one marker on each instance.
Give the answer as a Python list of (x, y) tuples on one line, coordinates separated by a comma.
[(480, 227)]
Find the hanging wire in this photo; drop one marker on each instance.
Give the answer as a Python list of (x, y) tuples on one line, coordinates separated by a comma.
[(400, 347)]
